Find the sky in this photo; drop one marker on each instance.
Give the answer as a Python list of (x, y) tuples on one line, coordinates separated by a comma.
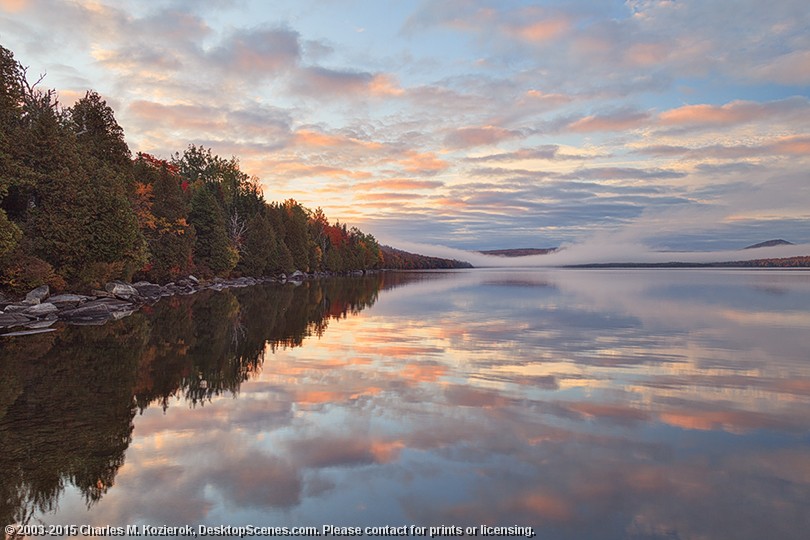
[(671, 125)]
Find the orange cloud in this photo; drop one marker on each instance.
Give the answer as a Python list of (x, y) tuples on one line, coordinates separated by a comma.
[(541, 31), (387, 196), (295, 169), (14, 6), (400, 184), (307, 137), (423, 163), (384, 85), (795, 145), (730, 113)]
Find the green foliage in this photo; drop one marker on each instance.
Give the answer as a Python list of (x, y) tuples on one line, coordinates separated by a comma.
[(212, 251), (96, 129), (10, 234), (296, 235), (260, 247), (76, 206)]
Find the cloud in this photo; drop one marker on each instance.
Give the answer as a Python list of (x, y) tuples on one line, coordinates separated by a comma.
[(619, 173), (399, 184), (469, 137), (326, 83), (617, 121), (257, 53), (732, 113)]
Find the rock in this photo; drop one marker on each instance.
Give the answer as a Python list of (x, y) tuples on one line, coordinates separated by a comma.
[(12, 319), (148, 290), (121, 290), (28, 332), (16, 308), (194, 280), (41, 310), (298, 275), (45, 323), (101, 308), (101, 294), (67, 300), (39, 294)]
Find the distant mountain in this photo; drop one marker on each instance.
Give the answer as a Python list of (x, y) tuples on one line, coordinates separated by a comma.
[(402, 260), (770, 243), (518, 252)]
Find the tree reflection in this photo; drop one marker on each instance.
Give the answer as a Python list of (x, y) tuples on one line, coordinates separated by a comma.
[(69, 397)]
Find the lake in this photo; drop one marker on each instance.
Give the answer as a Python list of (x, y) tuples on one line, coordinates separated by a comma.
[(593, 404)]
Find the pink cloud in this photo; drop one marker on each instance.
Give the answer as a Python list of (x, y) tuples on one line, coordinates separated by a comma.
[(260, 51), (734, 112), (619, 121), (403, 184), (478, 136), (423, 163), (319, 82), (539, 31)]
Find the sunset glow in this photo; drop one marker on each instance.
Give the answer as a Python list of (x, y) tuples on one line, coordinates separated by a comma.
[(469, 124)]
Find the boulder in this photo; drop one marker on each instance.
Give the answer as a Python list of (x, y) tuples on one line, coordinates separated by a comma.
[(17, 308), (67, 300), (12, 319), (298, 275), (121, 290), (38, 295), (194, 280), (44, 323), (102, 308), (101, 294), (41, 310), (148, 290)]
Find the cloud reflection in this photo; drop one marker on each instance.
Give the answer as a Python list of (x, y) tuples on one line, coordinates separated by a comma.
[(588, 404)]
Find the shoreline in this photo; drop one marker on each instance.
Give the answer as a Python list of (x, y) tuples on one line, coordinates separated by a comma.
[(39, 311)]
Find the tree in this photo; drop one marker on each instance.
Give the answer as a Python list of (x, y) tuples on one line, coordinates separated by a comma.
[(297, 233), (213, 253), (162, 207), (260, 247), (98, 132)]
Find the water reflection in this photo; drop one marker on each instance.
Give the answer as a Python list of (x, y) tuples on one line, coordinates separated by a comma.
[(587, 404)]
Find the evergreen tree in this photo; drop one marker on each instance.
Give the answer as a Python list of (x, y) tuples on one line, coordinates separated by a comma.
[(97, 130), (260, 249), (297, 233), (213, 254)]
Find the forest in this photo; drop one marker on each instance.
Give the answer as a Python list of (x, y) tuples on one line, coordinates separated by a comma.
[(77, 209)]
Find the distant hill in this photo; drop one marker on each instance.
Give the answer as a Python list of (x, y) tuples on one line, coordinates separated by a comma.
[(770, 243), (786, 262), (402, 260), (518, 252)]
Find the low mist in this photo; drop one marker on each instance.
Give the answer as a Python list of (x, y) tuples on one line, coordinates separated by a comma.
[(600, 251)]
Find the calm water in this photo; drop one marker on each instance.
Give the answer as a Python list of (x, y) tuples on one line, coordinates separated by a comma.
[(581, 403)]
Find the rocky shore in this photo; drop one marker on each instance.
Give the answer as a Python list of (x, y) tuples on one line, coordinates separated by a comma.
[(39, 311)]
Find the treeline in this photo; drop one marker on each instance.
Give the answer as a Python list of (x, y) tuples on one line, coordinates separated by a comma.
[(77, 210), (403, 260)]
